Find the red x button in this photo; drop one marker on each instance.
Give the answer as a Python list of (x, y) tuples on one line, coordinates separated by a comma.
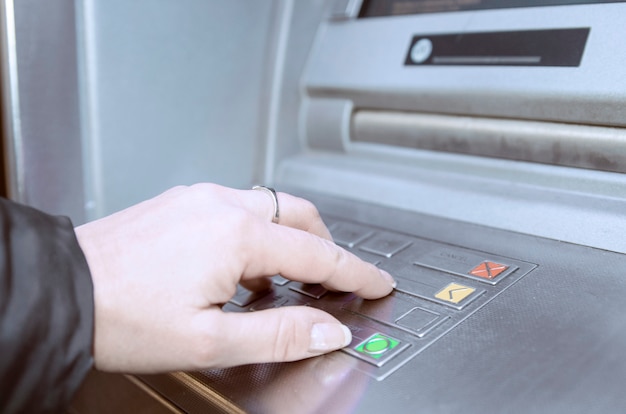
[(488, 270)]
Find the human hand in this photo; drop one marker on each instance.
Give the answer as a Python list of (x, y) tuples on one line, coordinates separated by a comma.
[(162, 269)]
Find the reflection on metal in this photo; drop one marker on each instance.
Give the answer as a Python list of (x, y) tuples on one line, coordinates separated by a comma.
[(165, 403), (14, 157), (41, 106), (215, 399), (487, 60), (583, 146)]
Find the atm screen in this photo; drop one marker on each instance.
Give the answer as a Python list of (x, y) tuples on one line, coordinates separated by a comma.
[(377, 8)]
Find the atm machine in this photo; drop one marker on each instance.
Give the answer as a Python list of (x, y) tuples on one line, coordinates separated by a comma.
[(477, 151)]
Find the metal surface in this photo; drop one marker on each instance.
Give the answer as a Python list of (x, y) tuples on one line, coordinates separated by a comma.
[(550, 341), (107, 103), (176, 93), (12, 134), (41, 106), (103, 393), (362, 60), (597, 148), (356, 89)]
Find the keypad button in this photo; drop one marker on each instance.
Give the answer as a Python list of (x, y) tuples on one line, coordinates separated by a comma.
[(243, 297), (489, 270), (453, 295), (368, 257), (464, 263), (385, 244), (377, 346), (312, 290), (275, 301), (397, 312), (421, 321), (348, 234), (376, 349), (279, 280)]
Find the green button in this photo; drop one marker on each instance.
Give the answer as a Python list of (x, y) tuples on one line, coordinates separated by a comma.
[(377, 345)]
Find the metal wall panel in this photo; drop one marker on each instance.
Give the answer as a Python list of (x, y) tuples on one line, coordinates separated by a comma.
[(109, 103), (175, 93), (41, 106)]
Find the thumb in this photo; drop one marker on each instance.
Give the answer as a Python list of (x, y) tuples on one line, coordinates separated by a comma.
[(276, 335)]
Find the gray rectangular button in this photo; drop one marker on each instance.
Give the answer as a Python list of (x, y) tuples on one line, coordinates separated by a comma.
[(348, 234), (275, 301), (279, 280), (312, 290), (367, 257), (397, 312), (243, 297), (420, 320), (385, 244)]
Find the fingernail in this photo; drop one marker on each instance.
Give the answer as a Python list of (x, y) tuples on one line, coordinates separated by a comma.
[(389, 278), (329, 336)]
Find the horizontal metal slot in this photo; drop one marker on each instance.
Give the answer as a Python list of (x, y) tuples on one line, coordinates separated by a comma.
[(583, 146)]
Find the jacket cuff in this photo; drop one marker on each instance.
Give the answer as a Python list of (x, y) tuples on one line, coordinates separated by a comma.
[(46, 311)]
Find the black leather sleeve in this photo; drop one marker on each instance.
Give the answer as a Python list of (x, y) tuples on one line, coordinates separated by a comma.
[(46, 311)]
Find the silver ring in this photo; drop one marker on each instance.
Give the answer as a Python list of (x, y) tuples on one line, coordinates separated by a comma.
[(272, 194)]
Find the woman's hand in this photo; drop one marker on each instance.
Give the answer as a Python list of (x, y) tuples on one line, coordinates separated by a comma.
[(163, 268)]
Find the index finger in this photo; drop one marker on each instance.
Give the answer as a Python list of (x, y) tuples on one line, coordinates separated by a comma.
[(305, 257)]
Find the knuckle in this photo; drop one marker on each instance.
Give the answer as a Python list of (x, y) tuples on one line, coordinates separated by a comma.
[(176, 189), (309, 209), (209, 192), (205, 192), (340, 269), (287, 341), (337, 255), (206, 188)]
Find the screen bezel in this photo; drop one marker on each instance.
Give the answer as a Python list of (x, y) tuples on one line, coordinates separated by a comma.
[(382, 8)]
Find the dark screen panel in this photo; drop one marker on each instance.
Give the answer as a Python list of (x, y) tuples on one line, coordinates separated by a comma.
[(555, 47), (378, 8)]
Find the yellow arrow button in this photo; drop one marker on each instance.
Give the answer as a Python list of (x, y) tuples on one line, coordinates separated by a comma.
[(454, 293)]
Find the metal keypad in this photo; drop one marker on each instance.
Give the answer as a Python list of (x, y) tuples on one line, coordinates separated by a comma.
[(438, 286)]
